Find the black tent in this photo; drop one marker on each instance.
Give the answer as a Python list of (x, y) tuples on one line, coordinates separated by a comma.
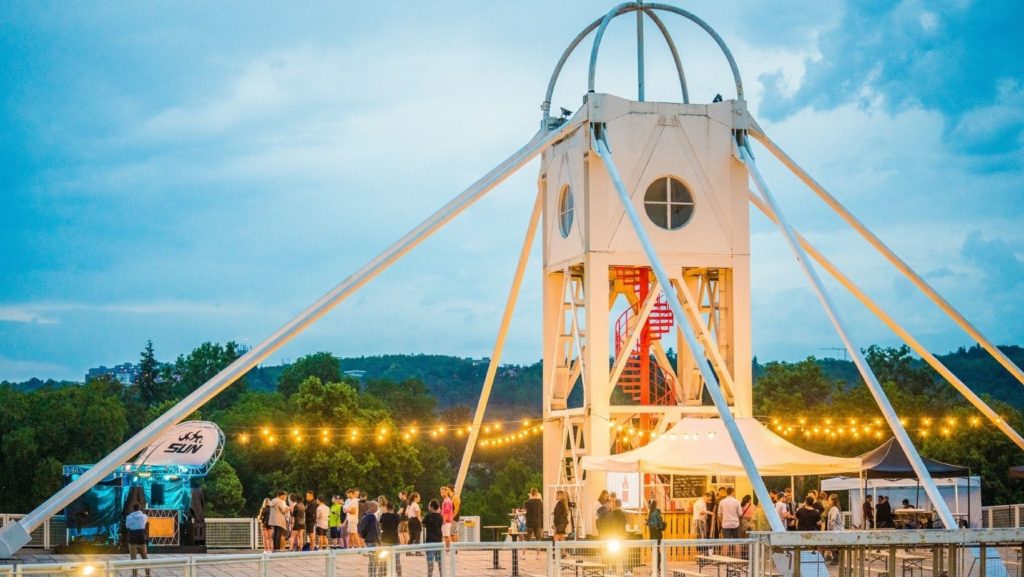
[(888, 461)]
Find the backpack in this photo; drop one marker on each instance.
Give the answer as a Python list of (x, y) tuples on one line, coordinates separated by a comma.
[(655, 522), (265, 516)]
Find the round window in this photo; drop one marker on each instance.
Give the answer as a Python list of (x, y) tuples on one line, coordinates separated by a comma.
[(566, 208), (669, 203)]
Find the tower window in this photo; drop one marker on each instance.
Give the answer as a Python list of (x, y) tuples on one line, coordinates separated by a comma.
[(566, 210), (669, 203)]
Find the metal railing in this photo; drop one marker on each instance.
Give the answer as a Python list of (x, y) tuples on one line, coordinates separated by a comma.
[(925, 553)]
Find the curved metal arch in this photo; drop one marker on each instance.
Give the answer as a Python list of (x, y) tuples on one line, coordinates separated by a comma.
[(632, 6), (627, 8)]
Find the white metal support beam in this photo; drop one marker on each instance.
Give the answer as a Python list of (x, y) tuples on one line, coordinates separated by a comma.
[(711, 381), (855, 354), (891, 256), (499, 343), (920, 349), (14, 536), (711, 345)]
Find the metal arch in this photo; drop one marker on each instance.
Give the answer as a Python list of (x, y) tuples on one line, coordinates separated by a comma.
[(626, 8)]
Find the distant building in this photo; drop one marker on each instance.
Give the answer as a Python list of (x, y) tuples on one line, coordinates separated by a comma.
[(356, 373), (125, 373)]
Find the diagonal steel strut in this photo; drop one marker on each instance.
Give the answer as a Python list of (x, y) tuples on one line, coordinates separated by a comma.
[(888, 253), (15, 535), (696, 348), (888, 412)]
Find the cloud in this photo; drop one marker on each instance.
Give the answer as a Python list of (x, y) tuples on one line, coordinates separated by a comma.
[(956, 57)]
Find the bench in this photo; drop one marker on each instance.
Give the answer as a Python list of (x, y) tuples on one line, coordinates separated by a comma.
[(686, 573)]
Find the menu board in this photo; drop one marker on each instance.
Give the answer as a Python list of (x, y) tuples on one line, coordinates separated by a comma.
[(688, 486)]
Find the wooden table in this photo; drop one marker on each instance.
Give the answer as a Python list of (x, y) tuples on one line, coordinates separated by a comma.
[(733, 565), (908, 561), (588, 568)]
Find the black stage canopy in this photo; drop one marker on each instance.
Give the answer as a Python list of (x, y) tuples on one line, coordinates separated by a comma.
[(890, 462)]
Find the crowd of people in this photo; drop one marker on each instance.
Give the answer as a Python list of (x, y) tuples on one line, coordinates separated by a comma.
[(314, 522)]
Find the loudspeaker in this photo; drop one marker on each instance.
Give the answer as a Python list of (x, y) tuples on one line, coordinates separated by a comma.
[(156, 494)]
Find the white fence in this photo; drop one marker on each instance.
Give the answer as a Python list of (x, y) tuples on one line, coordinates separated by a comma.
[(925, 553)]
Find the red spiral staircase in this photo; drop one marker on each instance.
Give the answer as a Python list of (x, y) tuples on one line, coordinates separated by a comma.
[(643, 379)]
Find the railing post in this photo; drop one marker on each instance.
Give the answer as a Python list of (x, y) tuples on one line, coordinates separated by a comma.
[(46, 534), (449, 557), (554, 553), (330, 569), (265, 565), (1016, 515)]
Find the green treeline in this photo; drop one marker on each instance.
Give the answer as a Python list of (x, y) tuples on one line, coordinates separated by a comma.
[(46, 424)]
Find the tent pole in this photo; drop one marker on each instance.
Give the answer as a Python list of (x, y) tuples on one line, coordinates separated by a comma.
[(887, 252), (884, 404), (914, 344), (711, 383)]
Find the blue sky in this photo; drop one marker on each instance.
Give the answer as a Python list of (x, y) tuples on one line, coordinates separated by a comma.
[(188, 172)]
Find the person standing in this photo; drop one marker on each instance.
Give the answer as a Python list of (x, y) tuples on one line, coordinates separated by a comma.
[(448, 516), (298, 523), (415, 524), (534, 507), (868, 513), (334, 522), (279, 518), (748, 510), (323, 517), (311, 505), (560, 516), (834, 522), (434, 525), (782, 508), (883, 513), (656, 529), (369, 532), (807, 516), (137, 524), (268, 531), (351, 510), (403, 515), (700, 516), (603, 508), (730, 513), (389, 524)]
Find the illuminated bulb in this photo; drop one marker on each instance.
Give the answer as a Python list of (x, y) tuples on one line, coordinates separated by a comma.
[(265, 431), (487, 429), (653, 434), (406, 436), (323, 440), (413, 430), (295, 432), (803, 421), (878, 422), (244, 439), (924, 433), (298, 439), (526, 424), (828, 421), (927, 422), (88, 570)]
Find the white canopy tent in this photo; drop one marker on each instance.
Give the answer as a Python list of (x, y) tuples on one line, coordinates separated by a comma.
[(699, 446), (961, 494)]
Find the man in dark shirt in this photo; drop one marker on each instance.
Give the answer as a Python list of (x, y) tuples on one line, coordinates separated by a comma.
[(389, 521), (432, 523), (868, 511), (311, 506), (807, 516), (615, 524), (534, 516), (883, 513)]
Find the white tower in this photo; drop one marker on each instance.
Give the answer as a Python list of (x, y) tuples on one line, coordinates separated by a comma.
[(609, 381)]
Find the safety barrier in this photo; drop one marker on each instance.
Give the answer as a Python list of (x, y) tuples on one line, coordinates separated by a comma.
[(885, 553)]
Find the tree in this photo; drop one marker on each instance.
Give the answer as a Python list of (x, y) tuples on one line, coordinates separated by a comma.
[(201, 365), (322, 365), (409, 401), (151, 388), (791, 388), (222, 490)]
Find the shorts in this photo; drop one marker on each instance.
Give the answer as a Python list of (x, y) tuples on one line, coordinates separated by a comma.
[(335, 532), (296, 528), (733, 533), (321, 532), (446, 530), (534, 533), (560, 528)]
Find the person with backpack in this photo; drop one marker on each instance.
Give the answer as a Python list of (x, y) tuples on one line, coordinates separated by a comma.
[(137, 524), (655, 528), (369, 533)]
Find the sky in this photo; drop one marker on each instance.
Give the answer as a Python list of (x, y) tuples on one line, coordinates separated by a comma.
[(188, 172)]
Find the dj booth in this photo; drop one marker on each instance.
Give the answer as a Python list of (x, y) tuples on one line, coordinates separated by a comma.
[(164, 481)]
